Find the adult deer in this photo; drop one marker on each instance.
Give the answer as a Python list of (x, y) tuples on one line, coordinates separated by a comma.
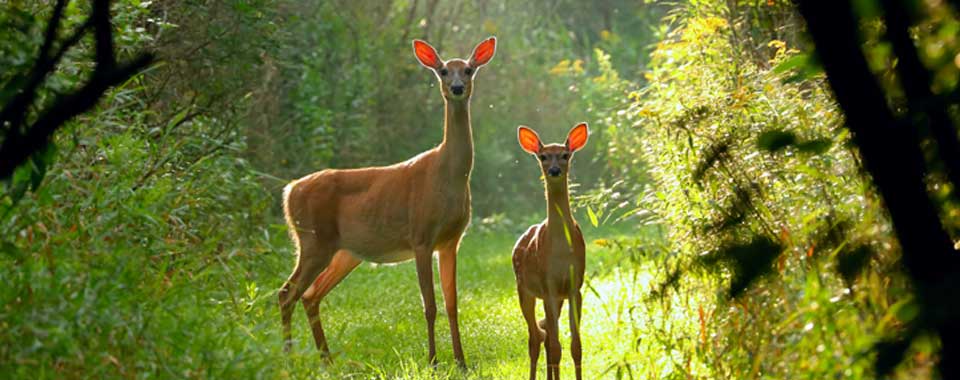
[(389, 214), (548, 259)]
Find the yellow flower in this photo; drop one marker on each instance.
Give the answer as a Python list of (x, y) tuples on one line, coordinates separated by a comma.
[(777, 44), (561, 67), (698, 28), (578, 66)]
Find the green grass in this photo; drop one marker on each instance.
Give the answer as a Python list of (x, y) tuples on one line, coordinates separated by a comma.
[(119, 310), (375, 325)]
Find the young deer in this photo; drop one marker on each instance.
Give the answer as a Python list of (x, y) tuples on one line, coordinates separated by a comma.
[(390, 214), (548, 259)]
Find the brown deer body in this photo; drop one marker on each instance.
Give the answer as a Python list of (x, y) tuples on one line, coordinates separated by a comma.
[(409, 210), (549, 258)]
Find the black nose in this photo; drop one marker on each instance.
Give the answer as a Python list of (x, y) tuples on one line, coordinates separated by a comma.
[(554, 171), (457, 90)]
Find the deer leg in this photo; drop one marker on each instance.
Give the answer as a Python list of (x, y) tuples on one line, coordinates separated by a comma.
[(340, 266), (552, 307), (448, 283), (535, 334), (543, 322), (311, 260), (576, 307), (425, 275)]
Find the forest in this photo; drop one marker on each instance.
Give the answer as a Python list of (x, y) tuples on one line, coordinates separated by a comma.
[(768, 191)]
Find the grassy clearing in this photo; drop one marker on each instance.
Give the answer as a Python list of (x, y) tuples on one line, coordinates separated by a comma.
[(128, 314), (375, 324)]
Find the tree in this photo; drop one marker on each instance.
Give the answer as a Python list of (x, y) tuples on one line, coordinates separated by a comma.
[(891, 149)]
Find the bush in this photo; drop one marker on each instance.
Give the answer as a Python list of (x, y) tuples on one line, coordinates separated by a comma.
[(750, 161)]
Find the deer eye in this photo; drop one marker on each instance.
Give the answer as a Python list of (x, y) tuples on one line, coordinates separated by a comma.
[(566, 156), (543, 157), (443, 72), (468, 71)]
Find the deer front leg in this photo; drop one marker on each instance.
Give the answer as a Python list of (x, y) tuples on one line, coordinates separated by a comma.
[(552, 307), (448, 283), (425, 275), (535, 335), (576, 308)]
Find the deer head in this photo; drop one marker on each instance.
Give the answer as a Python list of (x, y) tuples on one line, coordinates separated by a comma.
[(455, 75), (554, 158)]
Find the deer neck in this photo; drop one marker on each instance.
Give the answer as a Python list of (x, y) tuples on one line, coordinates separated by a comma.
[(456, 150), (559, 220)]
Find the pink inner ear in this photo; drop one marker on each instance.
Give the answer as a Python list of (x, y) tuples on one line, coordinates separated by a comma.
[(426, 54), (484, 51), (577, 137), (529, 140)]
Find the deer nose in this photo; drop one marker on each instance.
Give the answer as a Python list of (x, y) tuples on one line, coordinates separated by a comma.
[(554, 171), (457, 89)]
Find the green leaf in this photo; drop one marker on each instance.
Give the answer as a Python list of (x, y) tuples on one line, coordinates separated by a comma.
[(805, 67), (566, 229), (40, 161), (177, 118), (20, 182), (794, 62), (593, 217), (905, 311)]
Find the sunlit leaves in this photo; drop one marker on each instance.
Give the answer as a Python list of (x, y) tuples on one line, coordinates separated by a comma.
[(593, 217), (566, 228), (752, 167)]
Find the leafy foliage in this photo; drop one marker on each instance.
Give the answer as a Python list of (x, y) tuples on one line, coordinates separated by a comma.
[(755, 176)]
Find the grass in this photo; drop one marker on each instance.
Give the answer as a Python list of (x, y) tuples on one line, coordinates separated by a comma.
[(375, 325), (120, 310), (104, 308)]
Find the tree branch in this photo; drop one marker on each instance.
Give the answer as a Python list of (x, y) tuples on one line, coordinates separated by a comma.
[(14, 112), (21, 141)]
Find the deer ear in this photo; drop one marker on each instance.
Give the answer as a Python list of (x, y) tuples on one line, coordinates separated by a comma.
[(483, 52), (577, 137), (529, 140), (426, 54)]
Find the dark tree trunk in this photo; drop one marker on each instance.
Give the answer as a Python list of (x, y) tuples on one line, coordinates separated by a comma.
[(891, 153)]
